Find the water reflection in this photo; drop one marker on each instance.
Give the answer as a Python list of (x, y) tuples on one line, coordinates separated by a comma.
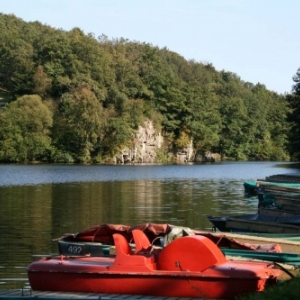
[(40, 203)]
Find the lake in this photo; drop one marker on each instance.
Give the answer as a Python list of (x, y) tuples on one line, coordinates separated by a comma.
[(39, 203)]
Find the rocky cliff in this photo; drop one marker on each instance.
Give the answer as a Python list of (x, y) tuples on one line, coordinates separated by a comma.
[(146, 144)]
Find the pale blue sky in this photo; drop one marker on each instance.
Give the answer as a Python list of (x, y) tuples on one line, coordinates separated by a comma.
[(256, 39)]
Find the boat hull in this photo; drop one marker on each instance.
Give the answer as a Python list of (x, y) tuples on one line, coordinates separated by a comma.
[(216, 284), (257, 223), (235, 224), (275, 212), (67, 246)]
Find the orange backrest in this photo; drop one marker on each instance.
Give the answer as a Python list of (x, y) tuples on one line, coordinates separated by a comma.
[(122, 246), (141, 241)]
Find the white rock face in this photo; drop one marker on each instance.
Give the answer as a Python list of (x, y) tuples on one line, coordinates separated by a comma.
[(145, 143)]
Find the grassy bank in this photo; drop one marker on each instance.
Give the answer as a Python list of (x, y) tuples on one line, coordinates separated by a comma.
[(287, 290)]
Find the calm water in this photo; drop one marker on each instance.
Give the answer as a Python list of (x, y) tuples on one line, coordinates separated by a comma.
[(40, 203)]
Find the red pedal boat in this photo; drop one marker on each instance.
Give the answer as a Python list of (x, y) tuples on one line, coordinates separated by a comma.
[(190, 267)]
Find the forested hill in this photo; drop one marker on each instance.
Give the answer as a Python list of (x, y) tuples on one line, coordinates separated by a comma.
[(74, 97)]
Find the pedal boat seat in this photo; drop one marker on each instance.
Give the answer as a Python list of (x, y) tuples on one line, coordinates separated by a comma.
[(140, 260)]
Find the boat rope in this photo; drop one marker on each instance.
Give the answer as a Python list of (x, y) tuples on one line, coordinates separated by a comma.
[(220, 239), (155, 239), (94, 236), (283, 269)]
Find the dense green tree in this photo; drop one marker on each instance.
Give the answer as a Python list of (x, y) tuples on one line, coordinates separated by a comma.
[(25, 130), (78, 123), (16, 57), (296, 86), (204, 122), (42, 83), (293, 101), (116, 135), (272, 127)]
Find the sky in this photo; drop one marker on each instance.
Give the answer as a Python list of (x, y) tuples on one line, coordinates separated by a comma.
[(258, 40)]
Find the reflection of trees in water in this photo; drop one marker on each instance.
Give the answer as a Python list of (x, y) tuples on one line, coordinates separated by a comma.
[(32, 215), (25, 229)]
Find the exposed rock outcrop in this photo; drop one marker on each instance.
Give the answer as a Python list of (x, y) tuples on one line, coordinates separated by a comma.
[(185, 154), (145, 143)]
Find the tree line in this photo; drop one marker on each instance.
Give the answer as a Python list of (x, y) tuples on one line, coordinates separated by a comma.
[(74, 97)]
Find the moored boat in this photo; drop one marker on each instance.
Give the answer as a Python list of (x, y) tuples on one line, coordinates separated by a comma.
[(287, 177), (190, 267), (282, 201), (256, 226), (275, 211), (98, 240), (257, 223), (287, 203), (251, 187)]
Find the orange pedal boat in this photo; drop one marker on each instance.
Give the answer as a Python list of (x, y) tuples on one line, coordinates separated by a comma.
[(190, 267)]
